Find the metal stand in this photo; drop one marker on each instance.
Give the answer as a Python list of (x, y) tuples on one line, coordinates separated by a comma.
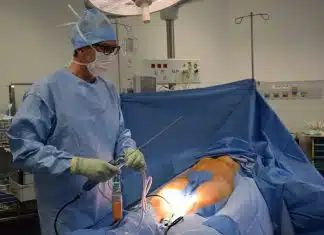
[(170, 15), (13, 110), (239, 20), (170, 38), (12, 98)]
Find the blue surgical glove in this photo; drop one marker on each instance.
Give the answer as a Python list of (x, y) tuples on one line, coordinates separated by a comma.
[(134, 159)]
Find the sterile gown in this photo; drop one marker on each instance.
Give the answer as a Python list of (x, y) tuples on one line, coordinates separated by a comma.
[(63, 116)]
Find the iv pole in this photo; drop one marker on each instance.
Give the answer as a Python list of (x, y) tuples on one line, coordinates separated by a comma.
[(239, 20)]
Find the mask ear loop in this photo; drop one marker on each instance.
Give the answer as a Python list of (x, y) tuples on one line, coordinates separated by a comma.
[(83, 37), (70, 23), (80, 33), (74, 11)]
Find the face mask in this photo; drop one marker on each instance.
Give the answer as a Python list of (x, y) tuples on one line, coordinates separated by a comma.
[(101, 64)]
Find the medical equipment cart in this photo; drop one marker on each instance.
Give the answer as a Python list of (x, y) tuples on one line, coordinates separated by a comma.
[(313, 146)]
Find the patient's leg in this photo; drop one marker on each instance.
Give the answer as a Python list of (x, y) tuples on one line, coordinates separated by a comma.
[(161, 207), (223, 170)]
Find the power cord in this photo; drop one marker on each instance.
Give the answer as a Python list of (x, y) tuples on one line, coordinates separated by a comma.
[(156, 195), (178, 220), (116, 223), (62, 208)]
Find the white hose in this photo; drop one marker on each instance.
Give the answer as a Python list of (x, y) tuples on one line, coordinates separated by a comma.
[(147, 183)]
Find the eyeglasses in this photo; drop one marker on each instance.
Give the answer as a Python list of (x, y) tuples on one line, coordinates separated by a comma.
[(107, 50)]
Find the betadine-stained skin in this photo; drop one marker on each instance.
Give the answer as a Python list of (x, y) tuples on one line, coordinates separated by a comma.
[(221, 186)]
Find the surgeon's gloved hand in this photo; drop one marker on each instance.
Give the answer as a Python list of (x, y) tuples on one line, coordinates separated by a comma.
[(93, 168), (134, 159)]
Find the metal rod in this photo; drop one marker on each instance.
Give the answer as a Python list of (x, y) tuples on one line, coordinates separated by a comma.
[(252, 44), (239, 20), (12, 96), (170, 38), (12, 100), (119, 61), (170, 43), (21, 84), (160, 133), (170, 15)]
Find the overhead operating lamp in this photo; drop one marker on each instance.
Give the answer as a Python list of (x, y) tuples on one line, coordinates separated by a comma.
[(122, 8), (168, 11)]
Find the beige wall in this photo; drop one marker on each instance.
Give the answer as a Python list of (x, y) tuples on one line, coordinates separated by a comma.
[(32, 45), (289, 47)]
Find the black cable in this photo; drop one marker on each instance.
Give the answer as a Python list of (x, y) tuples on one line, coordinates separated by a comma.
[(180, 219), (148, 196), (156, 195), (115, 223), (62, 208)]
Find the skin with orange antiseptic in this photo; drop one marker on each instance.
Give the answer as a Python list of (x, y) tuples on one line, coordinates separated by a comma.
[(219, 187)]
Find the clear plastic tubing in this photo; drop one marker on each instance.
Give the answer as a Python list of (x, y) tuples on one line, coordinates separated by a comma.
[(147, 183)]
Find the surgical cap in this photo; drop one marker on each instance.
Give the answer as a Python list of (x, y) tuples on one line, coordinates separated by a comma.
[(94, 27)]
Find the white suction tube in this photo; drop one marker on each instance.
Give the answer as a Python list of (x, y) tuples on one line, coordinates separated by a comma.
[(147, 183)]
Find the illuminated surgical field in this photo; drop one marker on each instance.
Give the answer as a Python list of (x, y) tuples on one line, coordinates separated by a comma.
[(206, 183)]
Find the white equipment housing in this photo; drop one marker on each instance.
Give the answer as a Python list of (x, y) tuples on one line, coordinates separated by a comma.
[(25, 192), (173, 71), (144, 83)]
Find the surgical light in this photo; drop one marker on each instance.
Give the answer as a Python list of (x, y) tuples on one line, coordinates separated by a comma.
[(120, 8), (178, 203)]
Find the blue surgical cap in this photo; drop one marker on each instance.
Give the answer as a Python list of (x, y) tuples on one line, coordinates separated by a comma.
[(95, 27)]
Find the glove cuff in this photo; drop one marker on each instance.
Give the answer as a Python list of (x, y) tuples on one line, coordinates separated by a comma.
[(74, 165)]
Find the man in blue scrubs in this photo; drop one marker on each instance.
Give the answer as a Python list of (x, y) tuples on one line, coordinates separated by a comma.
[(70, 126)]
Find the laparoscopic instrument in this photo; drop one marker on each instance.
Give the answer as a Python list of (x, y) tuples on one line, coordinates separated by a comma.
[(116, 193), (90, 184), (117, 205), (116, 197), (120, 162)]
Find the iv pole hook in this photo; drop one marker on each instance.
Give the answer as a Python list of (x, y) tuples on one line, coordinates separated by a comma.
[(239, 20)]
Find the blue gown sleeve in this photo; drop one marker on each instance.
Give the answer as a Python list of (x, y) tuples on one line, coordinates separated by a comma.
[(28, 134), (124, 139)]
